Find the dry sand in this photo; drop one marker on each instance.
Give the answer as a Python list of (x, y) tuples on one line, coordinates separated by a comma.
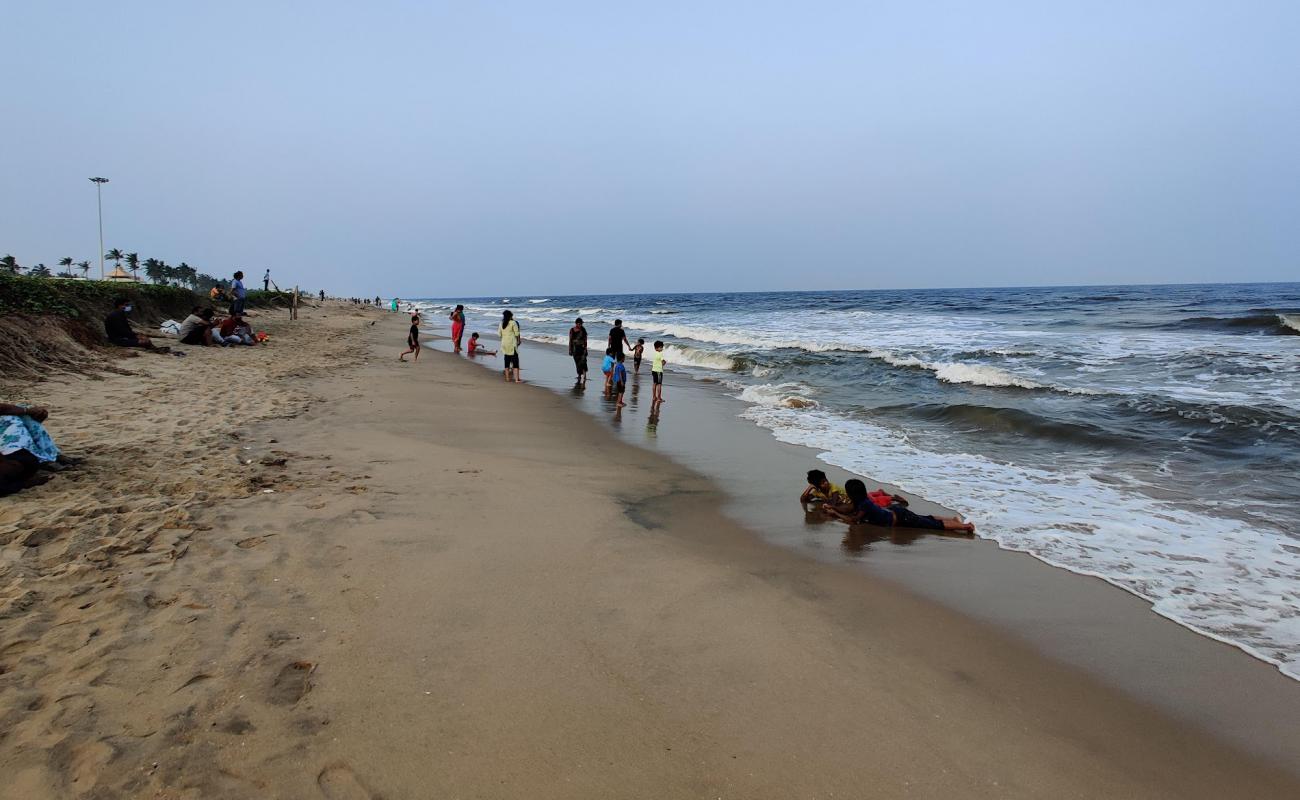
[(460, 588)]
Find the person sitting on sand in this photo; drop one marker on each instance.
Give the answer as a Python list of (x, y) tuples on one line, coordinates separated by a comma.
[(25, 447), (896, 515), (476, 349), (118, 328), (197, 327), (821, 490), (233, 330)]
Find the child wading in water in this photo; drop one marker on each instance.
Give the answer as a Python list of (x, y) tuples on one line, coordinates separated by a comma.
[(475, 349), (657, 373), (619, 377), (412, 340), (636, 355)]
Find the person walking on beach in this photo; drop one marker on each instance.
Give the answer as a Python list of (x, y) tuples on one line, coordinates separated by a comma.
[(618, 338), (607, 369), (237, 294), (412, 340), (657, 374), (620, 381), (457, 326), (578, 348), (510, 339), (636, 355)]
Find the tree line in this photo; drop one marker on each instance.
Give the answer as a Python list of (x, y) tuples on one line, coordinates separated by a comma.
[(156, 270)]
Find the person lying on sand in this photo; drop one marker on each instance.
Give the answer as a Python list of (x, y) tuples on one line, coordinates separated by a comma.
[(821, 490), (895, 515), (25, 447), (476, 349), (118, 328)]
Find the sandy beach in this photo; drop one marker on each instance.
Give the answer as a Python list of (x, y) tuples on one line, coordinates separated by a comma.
[(307, 571)]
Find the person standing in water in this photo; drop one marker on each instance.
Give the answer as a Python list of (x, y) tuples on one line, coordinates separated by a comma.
[(412, 340), (457, 326), (578, 348), (618, 338), (657, 373), (510, 339)]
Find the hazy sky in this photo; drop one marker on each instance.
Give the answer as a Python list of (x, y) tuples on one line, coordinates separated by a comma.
[(486, 148)]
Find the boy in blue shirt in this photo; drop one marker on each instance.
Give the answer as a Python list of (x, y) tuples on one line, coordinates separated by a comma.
[(619, 377)]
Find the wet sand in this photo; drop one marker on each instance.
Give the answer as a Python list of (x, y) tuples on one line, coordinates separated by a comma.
[(462, 588), (1080, 620)]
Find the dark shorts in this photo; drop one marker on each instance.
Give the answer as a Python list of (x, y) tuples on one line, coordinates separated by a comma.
[(636, 362), (903, 518), (512, 361), (620, 387), (658, 378), (413, 343), (194, 337)]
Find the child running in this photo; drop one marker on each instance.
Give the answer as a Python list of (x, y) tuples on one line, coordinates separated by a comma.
[(896, 515), (619, 377), (657, 373), (412, 340), (475, 349), (636, 355)]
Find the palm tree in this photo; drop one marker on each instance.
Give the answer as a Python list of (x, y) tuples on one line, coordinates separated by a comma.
[(66, 263), (188, 275), (115, 256), (39, 271), (84, 266), (10, 264), (153, 269), (133, 264)]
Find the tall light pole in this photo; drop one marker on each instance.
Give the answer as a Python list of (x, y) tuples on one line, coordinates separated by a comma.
[(99, 185)]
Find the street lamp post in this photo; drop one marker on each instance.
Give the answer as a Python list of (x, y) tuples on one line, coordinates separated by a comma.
[(99, 185)]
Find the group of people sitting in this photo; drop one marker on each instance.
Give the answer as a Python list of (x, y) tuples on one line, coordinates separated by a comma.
[(203, 327), (852, 503)]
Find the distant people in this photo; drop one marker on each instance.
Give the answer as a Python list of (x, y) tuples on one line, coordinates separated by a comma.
[(607, 368), (25, 447), (118, 328), (233, 330), (861, 508), (237, 294), (821, 490), (636, 355), (394, 303), (475, 349), (322, 295), (618, 338), (619, 378), (215, 293), (578, 348), (266, 281), (457, 318), (510, 339), (196, 329), (412, 340), (378, 301), (657, 373)]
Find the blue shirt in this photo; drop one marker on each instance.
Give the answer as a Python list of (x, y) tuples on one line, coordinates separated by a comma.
[(620, 373), (607, 364), (237, 289), (870, 512)]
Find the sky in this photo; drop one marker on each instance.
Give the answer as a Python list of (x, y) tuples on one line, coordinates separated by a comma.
[(504, 148)]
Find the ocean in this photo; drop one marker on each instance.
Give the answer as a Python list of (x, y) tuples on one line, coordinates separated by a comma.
[(1146, 435)]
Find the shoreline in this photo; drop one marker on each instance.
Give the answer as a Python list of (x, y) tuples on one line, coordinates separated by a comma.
[(461, 587), (1074, 617)]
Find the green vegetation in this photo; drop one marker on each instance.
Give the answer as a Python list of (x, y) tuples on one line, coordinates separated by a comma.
[(25, 294)]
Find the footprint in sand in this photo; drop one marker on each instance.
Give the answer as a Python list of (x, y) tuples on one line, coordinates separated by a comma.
[(339, 782), (292, 683)]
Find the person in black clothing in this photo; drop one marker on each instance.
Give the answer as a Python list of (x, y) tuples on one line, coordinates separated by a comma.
[(618, 338), (578, 348), (118, 328), (412, 340)]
